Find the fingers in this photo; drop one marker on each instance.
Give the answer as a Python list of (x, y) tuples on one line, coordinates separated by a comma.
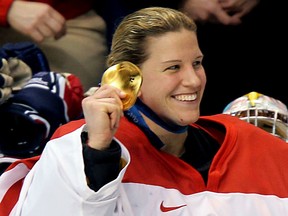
[(5, 94), (57, 24), (108, 95), (49, 26), (5, 81), (105, 102), (208, 11), (36, 20), (238, 8), (102, 111), (5, 87), (223, 17)]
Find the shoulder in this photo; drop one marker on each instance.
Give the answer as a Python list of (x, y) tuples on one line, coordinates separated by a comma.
[(68, 128), (220, 118), (225, 121), (231, 127)]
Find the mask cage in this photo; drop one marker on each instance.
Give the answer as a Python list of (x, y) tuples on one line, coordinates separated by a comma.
[(271, 121)]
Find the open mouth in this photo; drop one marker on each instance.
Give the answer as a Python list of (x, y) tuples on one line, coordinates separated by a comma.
[(188, 97)]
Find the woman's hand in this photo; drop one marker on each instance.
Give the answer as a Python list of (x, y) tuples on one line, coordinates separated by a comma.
[(102, 112)]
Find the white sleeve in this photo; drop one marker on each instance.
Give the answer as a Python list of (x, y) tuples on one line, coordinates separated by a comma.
[(56, 185)]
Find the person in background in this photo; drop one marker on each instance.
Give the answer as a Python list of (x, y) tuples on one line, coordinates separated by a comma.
[(159, 156), (70, 33), (261, 110), (226, 12)]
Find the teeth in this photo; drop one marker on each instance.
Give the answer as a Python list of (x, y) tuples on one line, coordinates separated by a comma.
[(186, 97)]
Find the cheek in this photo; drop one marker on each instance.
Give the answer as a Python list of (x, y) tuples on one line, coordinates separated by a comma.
[(203, 78), (204, 81), (149, 85), (151, 91)]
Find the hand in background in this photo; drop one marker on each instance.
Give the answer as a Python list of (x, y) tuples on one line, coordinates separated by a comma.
[(209, 11), (238, 8), (36, 20)]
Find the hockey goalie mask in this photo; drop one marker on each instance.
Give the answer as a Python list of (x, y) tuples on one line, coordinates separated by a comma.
[(264, 112)]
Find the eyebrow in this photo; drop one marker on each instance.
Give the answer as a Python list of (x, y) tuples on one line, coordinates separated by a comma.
[(171, 61)]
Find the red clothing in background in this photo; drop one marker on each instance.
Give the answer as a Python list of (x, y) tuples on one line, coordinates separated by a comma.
[(68, 8)]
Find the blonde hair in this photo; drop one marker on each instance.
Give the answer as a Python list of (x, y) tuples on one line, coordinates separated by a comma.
[(129, 39)]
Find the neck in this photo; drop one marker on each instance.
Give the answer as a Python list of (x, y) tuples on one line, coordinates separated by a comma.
[(173, 128), (165, 137), (173, 142)]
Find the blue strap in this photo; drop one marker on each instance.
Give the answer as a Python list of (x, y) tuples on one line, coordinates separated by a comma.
[(134, 115)]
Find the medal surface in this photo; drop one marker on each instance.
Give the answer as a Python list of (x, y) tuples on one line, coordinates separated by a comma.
[(127, 77)]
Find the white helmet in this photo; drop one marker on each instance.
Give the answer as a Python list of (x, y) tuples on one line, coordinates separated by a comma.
[(265, 112)]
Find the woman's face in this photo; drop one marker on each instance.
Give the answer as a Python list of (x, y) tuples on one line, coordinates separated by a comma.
[(173, 77)]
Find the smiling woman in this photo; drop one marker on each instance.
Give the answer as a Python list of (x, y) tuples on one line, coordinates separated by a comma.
[(160, 155)]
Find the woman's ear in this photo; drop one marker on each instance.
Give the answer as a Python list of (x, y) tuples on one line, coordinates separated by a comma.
[(139, 93)]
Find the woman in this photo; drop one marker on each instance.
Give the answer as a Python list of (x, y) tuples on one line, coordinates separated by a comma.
[(159, 157)]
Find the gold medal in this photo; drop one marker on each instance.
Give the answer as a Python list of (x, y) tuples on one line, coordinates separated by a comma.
[(127, 77)]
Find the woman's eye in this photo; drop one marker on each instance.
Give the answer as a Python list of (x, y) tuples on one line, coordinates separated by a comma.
[(174, 67), (197, 64)]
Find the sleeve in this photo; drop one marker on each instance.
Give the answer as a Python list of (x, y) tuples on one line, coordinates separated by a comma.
[(4, 8), (103, 166), (57, 183), (11, 181)]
